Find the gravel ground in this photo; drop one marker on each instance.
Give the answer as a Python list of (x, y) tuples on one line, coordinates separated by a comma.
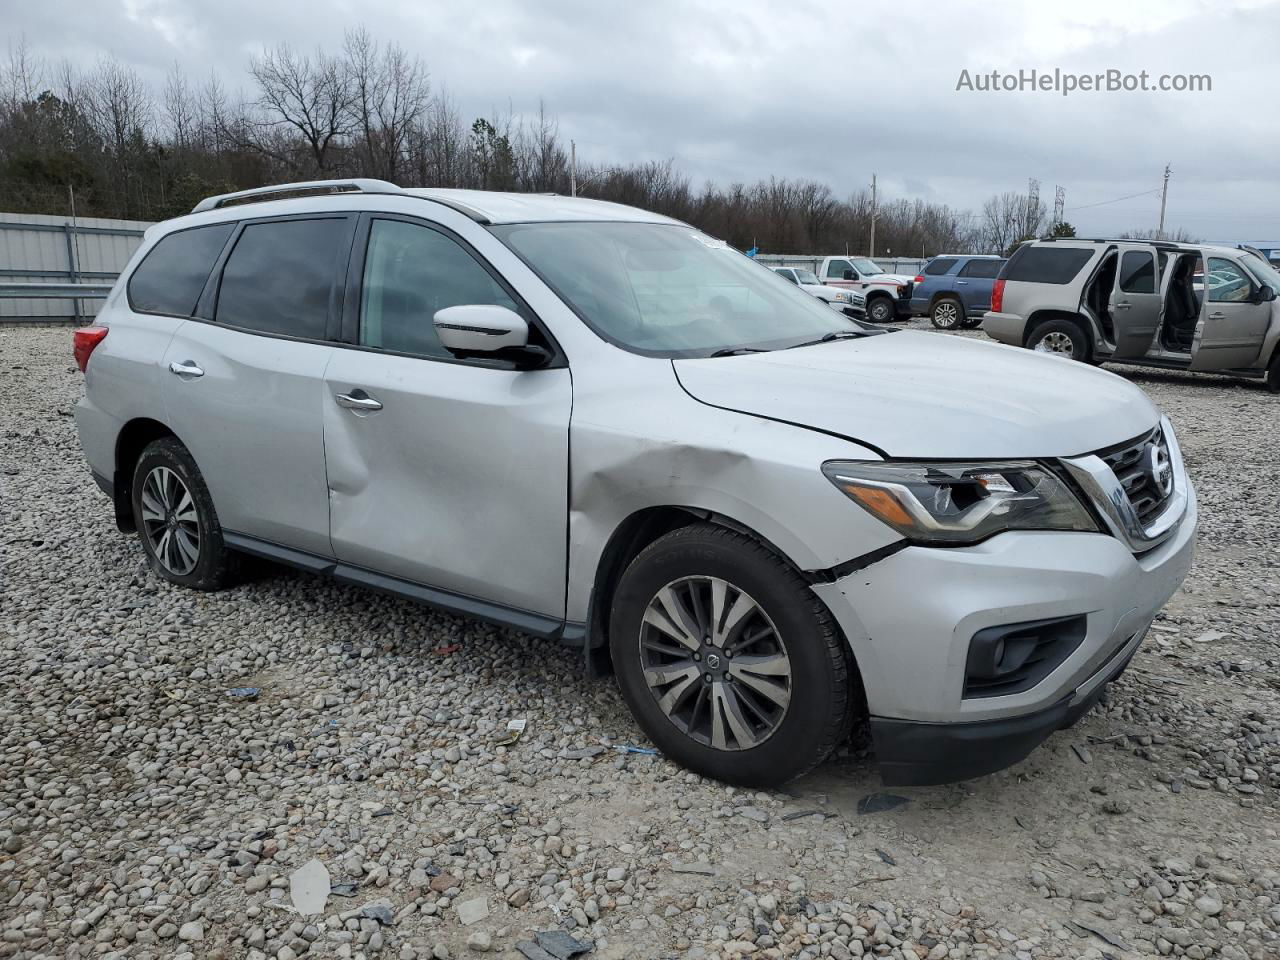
[(146, 812)]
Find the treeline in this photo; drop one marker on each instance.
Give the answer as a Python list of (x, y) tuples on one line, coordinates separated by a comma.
[(370, 109)]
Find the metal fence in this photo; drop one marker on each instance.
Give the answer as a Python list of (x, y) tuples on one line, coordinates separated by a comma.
[(49, 250), (907, 265)]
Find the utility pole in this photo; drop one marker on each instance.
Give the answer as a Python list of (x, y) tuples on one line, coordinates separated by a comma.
[(872, 253), (573, 169), (1164, 195), (1059, 204)]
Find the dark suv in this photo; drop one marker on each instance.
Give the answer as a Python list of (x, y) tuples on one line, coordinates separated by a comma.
[(955, 291)]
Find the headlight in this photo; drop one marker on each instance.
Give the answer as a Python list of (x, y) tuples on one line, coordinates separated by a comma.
[(843, 297), (958, 503)]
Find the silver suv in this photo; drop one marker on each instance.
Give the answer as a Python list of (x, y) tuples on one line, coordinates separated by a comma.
[(1172, 305), (600, 426)]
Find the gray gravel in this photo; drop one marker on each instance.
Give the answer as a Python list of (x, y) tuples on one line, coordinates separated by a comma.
[(146, 812)]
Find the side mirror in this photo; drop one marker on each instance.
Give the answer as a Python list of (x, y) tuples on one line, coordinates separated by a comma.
[(488, 330), (848, 275), (1266, 294)]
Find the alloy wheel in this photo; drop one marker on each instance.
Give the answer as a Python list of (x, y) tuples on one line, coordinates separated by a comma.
[(945, 315), (170, 521), (714, 663), (1055, 343)]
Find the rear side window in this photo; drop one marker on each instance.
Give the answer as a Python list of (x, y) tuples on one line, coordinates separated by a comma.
[(171, 277), (982, 269), (1137, 272), (280, 277), (939, 266), (1047, 264)]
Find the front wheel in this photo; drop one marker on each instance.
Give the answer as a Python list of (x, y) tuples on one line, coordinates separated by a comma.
[(1273, 374), (727, 659), (881, 310), (1061, 338)]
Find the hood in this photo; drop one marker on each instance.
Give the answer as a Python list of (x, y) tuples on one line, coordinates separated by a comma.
[(889, 278), (928, 396)]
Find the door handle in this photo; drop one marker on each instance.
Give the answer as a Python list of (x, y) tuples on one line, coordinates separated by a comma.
[(187, 368), (1123, 305), (961, 283), (357, 400), (1217, 316)]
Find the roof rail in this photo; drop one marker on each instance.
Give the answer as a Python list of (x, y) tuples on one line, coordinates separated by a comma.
[(1162, 244), (307, 188)]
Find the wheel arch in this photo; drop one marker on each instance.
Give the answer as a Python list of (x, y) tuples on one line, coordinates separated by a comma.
[(132, 439), (630, 537), (1040, 317)]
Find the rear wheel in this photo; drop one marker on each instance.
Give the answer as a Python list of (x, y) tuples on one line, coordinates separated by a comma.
[(946, 314), (1061, 337), (727, 659), (176, 521), (1273, 374)]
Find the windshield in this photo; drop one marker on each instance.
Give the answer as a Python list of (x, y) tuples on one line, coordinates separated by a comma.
[(865, 266), (670, 291), (807, 276), (1263, 270)]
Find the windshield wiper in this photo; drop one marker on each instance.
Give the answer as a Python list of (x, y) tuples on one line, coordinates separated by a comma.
[(828, 337), (735, 351)]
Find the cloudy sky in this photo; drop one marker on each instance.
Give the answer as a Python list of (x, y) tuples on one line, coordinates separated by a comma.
[(829, 91)]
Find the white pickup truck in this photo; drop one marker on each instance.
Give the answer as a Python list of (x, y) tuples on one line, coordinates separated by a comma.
[(888, 295), (849, 302)]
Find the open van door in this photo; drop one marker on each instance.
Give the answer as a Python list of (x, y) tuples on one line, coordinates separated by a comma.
[(1235, 319), (1136, 303)]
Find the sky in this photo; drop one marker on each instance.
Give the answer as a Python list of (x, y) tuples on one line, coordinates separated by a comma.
[(735, 91)]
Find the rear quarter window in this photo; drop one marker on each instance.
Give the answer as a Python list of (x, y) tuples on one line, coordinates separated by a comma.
[(939, 266), (1047, 264), (172, 275)]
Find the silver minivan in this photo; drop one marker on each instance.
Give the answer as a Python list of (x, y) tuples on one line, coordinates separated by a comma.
[(1172, 305), (600, 426)]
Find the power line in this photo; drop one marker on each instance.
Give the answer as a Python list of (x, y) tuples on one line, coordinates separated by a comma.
[(1103, 203)]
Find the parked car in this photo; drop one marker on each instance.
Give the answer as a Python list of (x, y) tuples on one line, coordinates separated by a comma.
[(849, 302), (954, 291), (1142, 302), (888, 294), (597, 425)]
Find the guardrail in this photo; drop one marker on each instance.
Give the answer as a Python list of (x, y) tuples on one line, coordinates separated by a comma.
[(74, 292), (54, 291)]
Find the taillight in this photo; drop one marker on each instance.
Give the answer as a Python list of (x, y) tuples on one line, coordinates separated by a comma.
[(86, 338), (997, 295), (919, 279)]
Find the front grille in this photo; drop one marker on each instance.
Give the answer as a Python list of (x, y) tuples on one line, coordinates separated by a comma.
[(1132, 463)]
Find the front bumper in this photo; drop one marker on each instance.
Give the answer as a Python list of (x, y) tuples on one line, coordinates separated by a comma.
[(912, 753), (910, 617)]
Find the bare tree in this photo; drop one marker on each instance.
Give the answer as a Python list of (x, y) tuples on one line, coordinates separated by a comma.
[(390, 93), (310, 96)]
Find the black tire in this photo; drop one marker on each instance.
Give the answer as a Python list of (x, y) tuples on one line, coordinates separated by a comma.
[(947, 313), (1061, 337), (214, 566), (1273, 373), (818, 714), (881, 309)]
